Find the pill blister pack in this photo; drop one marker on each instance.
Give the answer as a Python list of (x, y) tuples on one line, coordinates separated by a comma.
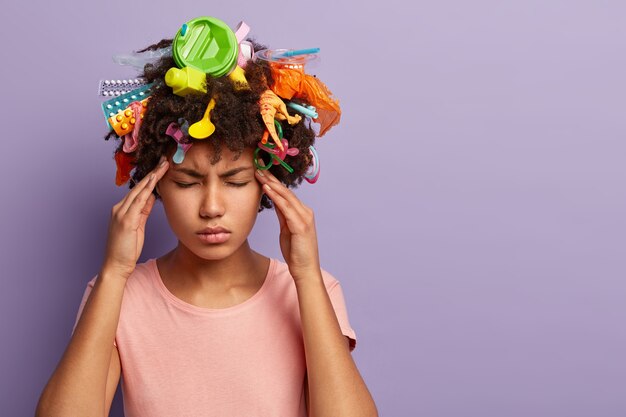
[(117, 104), (115, 88)]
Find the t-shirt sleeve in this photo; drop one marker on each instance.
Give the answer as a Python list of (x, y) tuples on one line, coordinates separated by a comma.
[(335, 294), (90, 286)]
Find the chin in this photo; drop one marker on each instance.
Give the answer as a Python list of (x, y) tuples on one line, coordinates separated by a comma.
[(210, 256), (213, 252)]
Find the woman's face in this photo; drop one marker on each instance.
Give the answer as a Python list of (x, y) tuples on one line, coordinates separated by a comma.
[(197, 195)]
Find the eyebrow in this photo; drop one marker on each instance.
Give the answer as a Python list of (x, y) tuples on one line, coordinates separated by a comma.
[(196, 174)]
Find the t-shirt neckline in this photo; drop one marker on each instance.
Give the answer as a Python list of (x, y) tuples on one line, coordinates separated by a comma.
[(204, 310)]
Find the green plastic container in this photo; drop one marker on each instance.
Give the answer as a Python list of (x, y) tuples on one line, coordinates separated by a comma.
[(207, 44)]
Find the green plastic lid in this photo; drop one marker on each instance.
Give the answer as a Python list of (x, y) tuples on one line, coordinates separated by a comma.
[(207, 44)]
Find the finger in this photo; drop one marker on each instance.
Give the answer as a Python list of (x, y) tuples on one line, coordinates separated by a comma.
[(259, 172), (137, 208), (147, 208), (281, 217), (273, 181), (145, 189), (159, 171), (130, 196), (288, 211), (281, 190)]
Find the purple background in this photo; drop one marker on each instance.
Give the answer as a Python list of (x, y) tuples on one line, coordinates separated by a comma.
[(471, 202)]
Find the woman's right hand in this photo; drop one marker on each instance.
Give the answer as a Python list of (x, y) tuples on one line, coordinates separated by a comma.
[(128, 221)]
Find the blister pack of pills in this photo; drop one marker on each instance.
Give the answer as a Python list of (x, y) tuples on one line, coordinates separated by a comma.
[(115, 88), (120, 103)]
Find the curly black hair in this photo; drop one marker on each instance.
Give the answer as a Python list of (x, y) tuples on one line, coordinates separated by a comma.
[(236, 116)]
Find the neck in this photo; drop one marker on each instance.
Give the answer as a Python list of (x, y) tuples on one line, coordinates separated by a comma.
[(240, 268)]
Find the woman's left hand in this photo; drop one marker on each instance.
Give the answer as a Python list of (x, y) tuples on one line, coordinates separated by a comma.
[(298, 237)]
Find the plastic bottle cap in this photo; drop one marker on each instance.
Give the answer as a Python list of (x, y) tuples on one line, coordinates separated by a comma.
[(212, 46)]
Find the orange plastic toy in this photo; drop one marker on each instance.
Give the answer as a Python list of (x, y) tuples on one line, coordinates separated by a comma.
[(273, 107), (124, 121)]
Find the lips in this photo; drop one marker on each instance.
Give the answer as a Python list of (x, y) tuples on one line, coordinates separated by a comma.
[(217, 234), (213, 230), (212, 238)]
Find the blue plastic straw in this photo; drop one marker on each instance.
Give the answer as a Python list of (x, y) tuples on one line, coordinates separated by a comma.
[(307, 111), (298, 52)]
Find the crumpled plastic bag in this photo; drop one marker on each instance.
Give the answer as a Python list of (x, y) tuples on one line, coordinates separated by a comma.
[(293, 82)]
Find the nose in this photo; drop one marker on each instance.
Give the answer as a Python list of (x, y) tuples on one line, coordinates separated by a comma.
[(212, 204)]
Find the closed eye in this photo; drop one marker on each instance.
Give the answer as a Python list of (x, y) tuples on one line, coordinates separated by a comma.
[(182, 185), (231, 184), (238, 184)]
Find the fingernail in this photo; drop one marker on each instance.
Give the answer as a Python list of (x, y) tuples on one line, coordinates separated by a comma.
[(163, 162), (258, 171)]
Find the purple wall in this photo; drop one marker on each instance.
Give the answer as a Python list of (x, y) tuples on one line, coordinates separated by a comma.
[(480, 242)]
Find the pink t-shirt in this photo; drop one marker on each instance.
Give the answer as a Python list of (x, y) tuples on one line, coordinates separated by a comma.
[(187, 361)]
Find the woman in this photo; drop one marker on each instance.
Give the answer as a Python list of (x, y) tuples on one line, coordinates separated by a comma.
[(211, 328)]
